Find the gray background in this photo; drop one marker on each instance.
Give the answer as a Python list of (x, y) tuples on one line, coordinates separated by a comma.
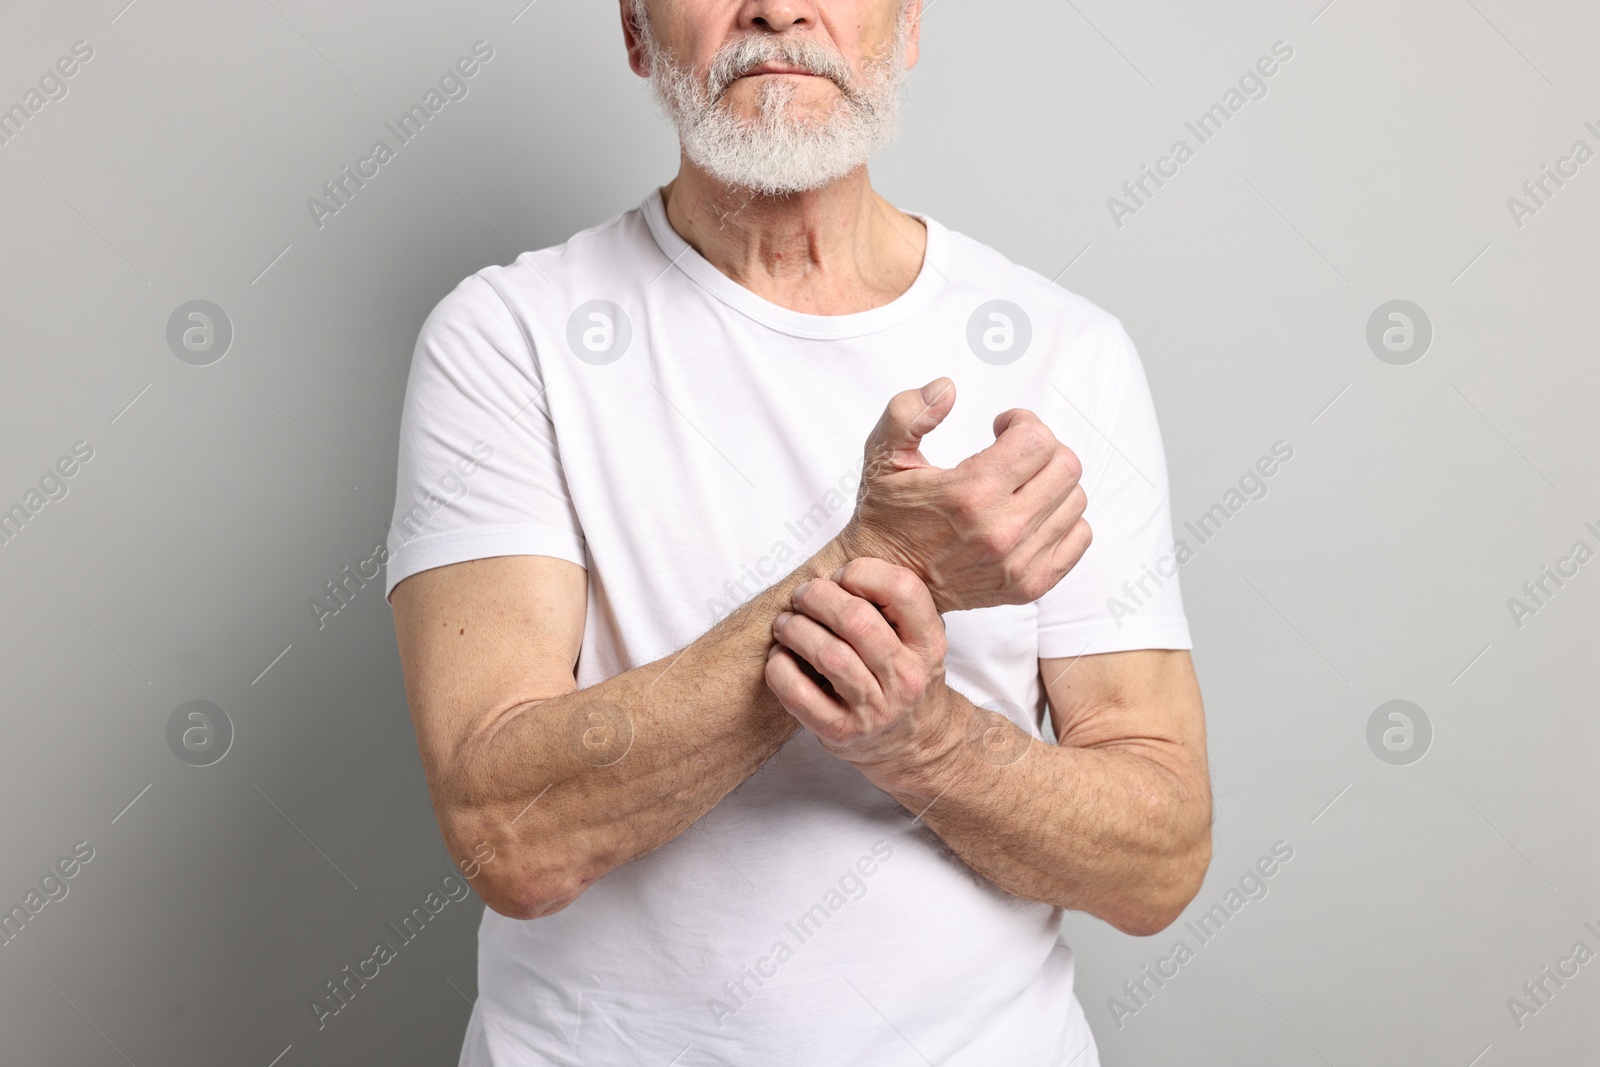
[(1419, 498)]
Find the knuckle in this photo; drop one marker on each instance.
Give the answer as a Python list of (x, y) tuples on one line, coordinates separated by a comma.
[(908, 676), (810, 595), (1034, 435), (833, 660), (858, 617), (963, 500), (904, 585), (1003, 536), (1074, 465), (994, 545)]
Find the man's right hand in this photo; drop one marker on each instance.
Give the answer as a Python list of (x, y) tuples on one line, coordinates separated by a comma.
[(1001, 527)]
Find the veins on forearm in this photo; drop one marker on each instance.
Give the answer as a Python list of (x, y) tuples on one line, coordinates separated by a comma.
[(1072, 827)]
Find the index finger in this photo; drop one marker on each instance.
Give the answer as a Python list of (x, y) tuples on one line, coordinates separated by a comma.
[(902, 597), (1023, 446)]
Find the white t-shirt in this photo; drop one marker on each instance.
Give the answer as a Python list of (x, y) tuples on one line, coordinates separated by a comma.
[(618, 402)]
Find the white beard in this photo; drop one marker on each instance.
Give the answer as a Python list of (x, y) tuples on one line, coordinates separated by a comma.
[(779, 153)]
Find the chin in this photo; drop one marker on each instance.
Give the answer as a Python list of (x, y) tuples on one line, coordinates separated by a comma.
[(802, 110)]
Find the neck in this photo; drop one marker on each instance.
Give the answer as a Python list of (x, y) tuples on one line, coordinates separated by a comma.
[(834, 250)]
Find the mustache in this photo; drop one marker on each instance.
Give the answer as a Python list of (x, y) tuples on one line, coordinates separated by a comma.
[(737, 59)]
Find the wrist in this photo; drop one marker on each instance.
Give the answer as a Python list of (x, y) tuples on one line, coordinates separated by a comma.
[(938, 760), (857, 541), (854, 542), (828, 559)]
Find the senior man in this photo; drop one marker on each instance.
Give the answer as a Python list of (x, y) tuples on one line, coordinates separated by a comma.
[(737, 725)]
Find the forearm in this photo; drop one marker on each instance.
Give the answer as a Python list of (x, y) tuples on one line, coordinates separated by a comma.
[(561, 791), (1120, 831)]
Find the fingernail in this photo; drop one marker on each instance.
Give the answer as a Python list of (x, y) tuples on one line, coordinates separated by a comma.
[(934, 390), (801, 588), (783, 617)]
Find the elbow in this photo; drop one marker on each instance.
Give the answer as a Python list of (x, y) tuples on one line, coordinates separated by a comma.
[(528, 906), (530, 895), (1151, 916), (1152, 908), (521, 881), (1156, 910), (538, 870)]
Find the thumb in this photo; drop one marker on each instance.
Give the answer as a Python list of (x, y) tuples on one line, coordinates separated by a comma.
[(909, 417)]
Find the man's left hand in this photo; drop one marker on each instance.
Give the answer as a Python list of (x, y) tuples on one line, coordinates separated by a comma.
[(860, 663)]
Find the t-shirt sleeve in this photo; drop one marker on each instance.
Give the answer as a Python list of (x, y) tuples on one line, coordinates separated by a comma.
[(1123, 594), (479, 470)]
